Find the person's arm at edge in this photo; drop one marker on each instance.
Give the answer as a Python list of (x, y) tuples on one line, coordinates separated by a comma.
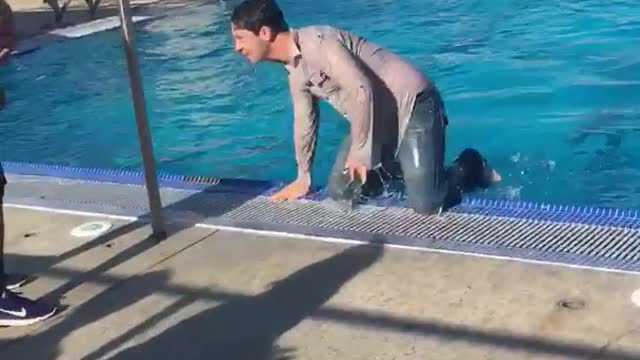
[(349, 74), (306, 113), (305, 109)]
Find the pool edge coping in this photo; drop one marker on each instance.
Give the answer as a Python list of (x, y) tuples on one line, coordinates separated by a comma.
[(516, 209)]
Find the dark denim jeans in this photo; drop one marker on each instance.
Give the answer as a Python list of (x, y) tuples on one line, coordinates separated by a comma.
[(420, 158)]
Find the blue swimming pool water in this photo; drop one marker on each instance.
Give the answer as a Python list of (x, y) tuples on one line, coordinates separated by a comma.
[(548, 90)]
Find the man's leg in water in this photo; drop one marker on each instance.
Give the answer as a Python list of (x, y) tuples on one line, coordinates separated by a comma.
[(421, 155), (429, 186), (420, 161)]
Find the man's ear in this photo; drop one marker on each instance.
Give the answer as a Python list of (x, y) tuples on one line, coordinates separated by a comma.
[(266, 34)]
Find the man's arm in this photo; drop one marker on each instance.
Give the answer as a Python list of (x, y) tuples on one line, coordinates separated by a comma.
[(305, 109), (348, 72)]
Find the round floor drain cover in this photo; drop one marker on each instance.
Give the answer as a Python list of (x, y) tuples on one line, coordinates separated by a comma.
[(91, 229), (572, 304)]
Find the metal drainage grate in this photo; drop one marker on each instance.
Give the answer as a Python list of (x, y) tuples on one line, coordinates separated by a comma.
[(612, 247)]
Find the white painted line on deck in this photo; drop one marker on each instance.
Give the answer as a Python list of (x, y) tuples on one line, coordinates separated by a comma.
[(71, 212), (333, 240), (635, 297), (412, 248)]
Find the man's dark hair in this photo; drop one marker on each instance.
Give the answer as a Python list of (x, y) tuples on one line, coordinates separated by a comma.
[(252, 15)]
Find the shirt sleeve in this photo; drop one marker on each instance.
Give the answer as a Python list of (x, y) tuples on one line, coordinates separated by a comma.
[(349, 73), (305, 126)]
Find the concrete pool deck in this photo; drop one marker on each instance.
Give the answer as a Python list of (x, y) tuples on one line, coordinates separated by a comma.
[(213, 294), (33, 17), (216, 294)]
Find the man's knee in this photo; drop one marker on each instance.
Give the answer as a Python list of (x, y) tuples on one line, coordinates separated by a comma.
[(338, 181), (334, 192), (341, 187), (424, 206)]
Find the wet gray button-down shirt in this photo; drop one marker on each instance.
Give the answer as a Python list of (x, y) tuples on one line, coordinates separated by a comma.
[(372, 87)]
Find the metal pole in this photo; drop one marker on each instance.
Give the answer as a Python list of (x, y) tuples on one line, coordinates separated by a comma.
[(146, 147)]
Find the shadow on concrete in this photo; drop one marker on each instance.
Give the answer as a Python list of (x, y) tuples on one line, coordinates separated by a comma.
[(181, 215), (246, 327), (244, 321), (249, 327), (46, 343), (472, 336)]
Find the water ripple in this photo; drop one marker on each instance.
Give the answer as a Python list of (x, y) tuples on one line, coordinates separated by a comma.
[(553, 81)]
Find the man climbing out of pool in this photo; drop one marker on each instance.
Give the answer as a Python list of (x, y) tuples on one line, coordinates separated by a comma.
[(14, 310), (396, 113)]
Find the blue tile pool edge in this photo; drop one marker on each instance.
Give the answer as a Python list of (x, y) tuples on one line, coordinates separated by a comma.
[(445, 245), (609, 217)]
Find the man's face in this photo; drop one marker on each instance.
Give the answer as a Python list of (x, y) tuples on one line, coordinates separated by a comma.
[(253, 47)]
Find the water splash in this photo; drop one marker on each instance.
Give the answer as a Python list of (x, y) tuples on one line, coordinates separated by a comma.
[(511, 192)]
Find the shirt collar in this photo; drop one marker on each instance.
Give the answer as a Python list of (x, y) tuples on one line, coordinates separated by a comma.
[(295, 52)]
